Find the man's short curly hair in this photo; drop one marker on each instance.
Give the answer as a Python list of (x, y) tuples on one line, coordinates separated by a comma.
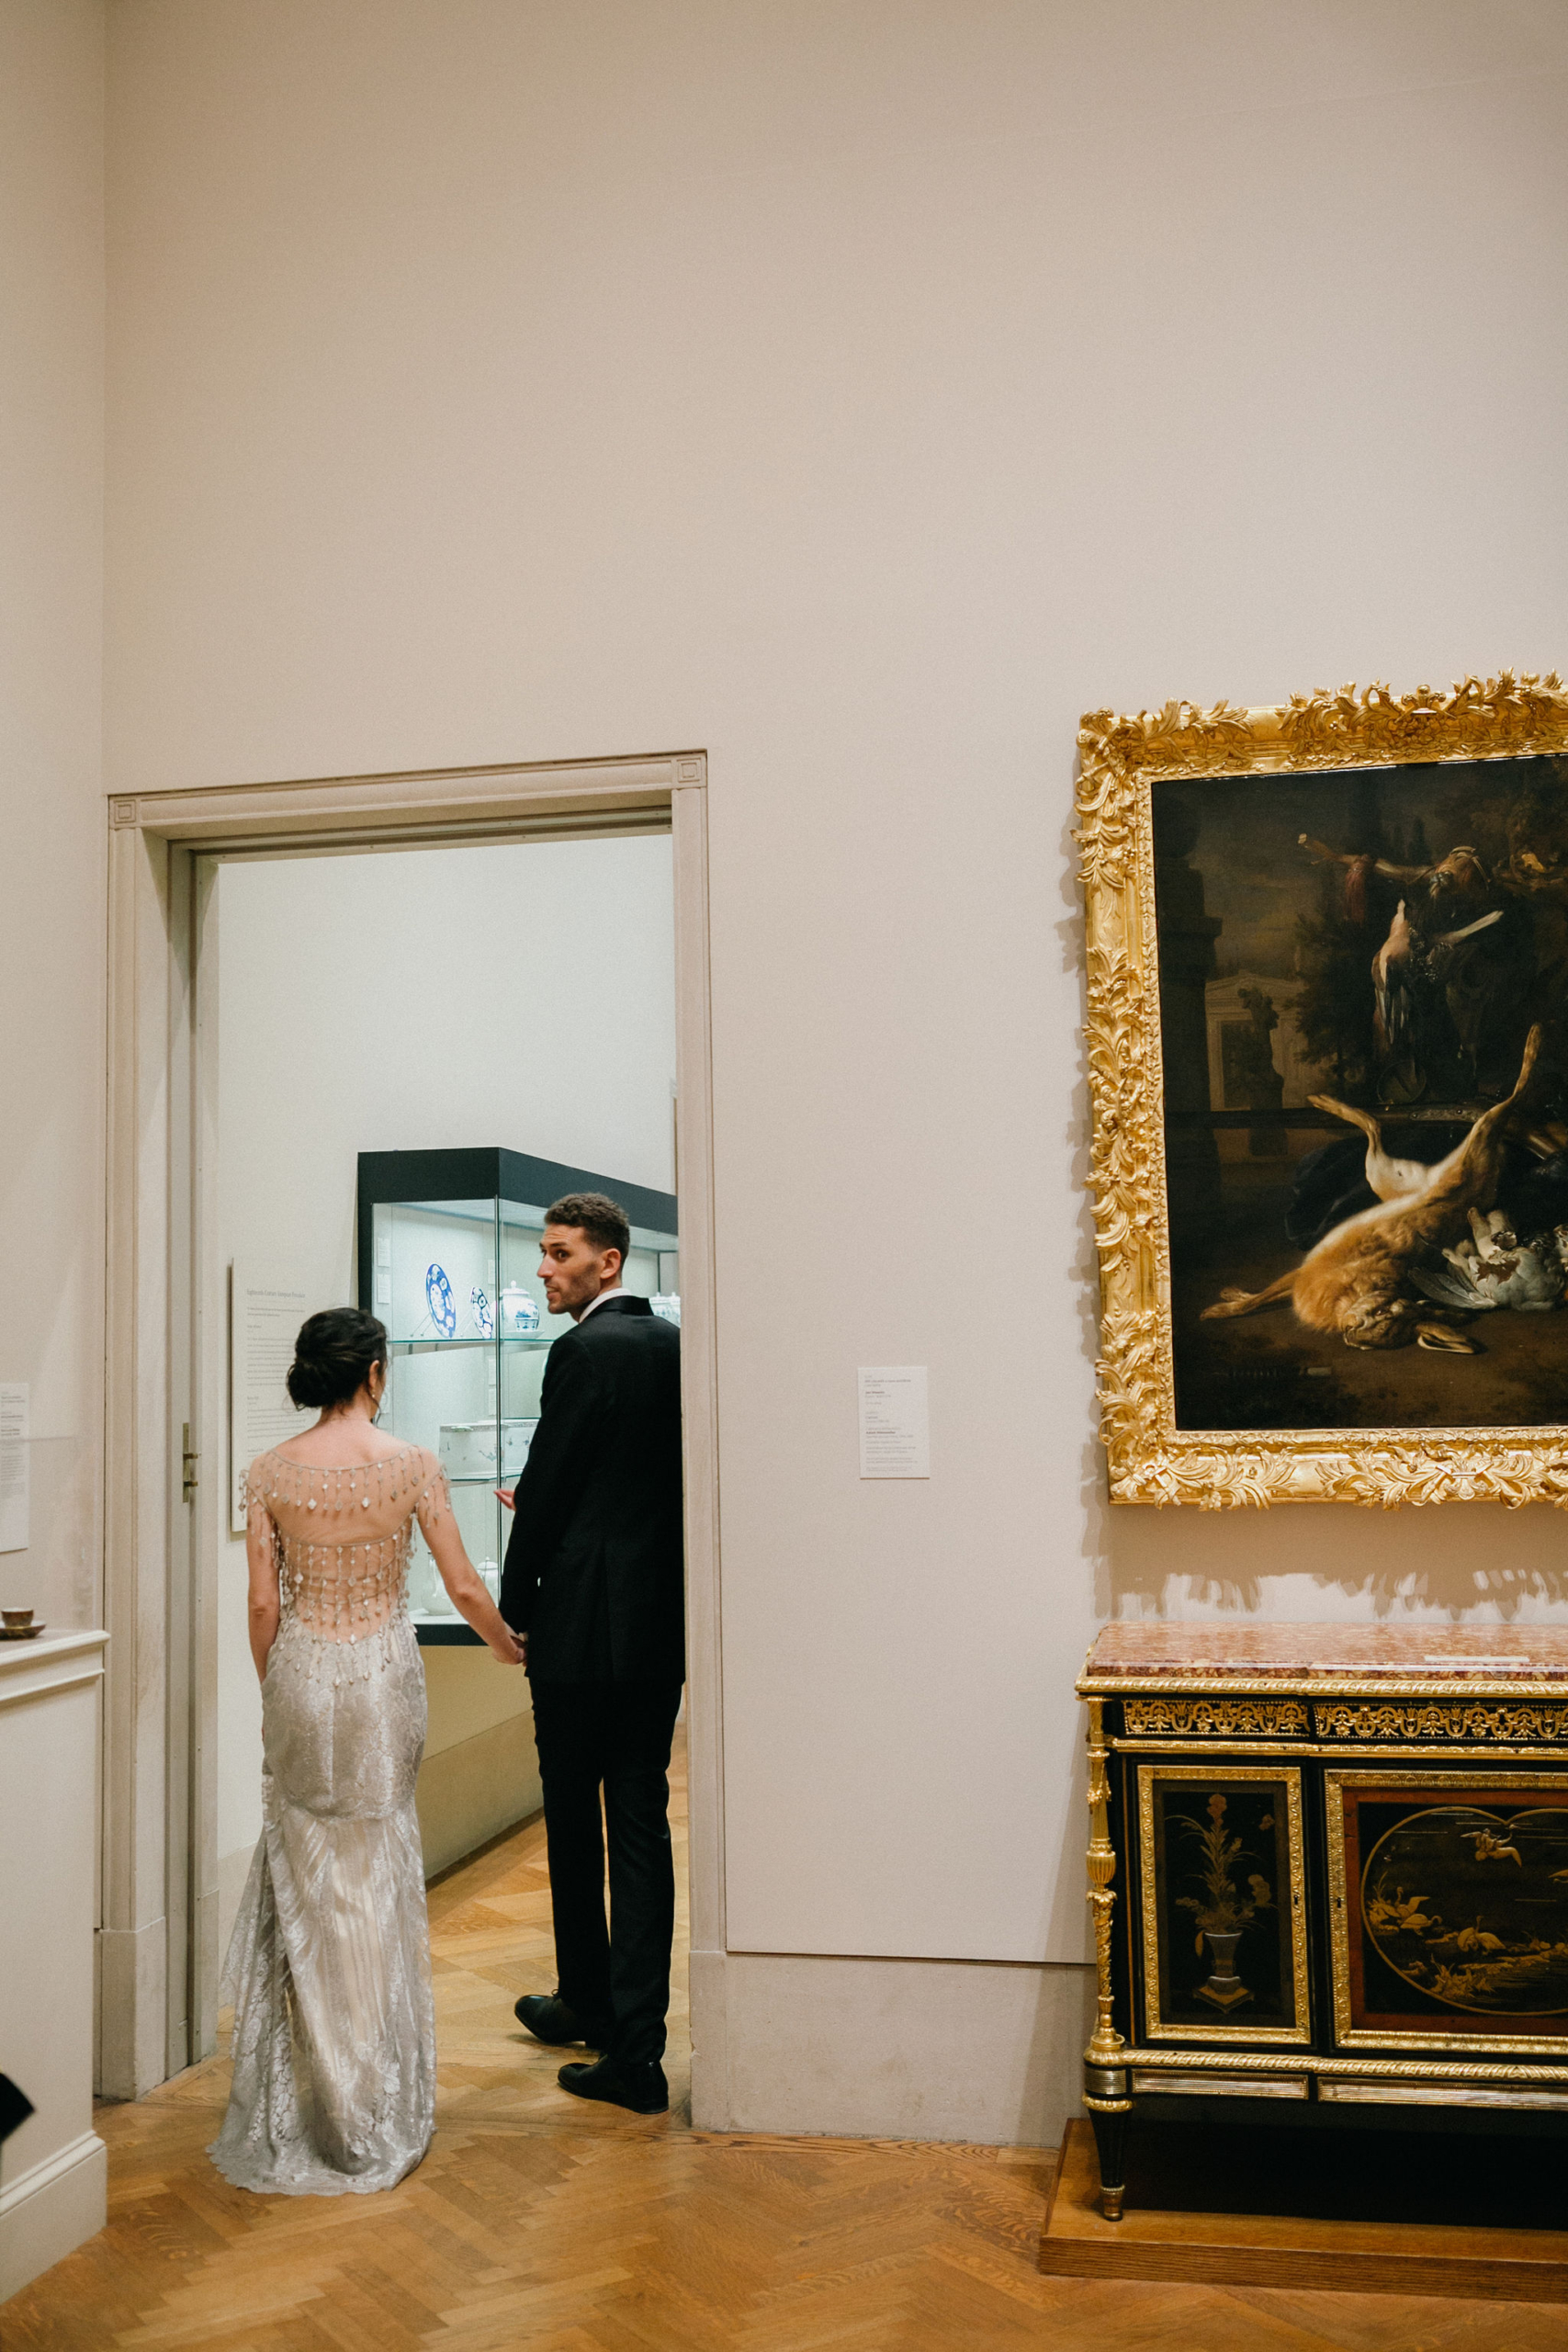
[(603, 1219)]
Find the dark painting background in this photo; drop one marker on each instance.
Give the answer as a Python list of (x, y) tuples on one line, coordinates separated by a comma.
[(1268, 996)]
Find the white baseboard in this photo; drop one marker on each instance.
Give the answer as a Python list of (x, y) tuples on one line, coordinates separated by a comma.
[(54, 2208), (887, 2049)]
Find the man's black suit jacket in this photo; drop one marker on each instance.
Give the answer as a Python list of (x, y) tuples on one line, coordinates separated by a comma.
[(594, 1571)]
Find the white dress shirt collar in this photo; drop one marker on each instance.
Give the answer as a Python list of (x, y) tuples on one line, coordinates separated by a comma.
[(615, 1292)]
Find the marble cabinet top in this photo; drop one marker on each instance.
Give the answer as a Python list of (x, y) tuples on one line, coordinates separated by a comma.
[(1381, 1654)]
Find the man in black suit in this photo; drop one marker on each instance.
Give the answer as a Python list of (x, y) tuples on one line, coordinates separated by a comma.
[(593, 1582)]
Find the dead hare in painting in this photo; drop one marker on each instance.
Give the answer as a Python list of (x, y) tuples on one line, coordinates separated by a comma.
[(1362, 1280)]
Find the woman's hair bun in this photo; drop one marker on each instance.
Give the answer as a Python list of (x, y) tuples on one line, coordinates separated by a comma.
[(333, 1355)]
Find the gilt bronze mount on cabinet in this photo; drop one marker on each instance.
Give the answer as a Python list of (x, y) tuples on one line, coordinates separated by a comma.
[(1328, 1865)]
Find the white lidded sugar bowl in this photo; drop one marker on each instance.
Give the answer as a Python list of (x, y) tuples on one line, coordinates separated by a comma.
[(519, 1312)]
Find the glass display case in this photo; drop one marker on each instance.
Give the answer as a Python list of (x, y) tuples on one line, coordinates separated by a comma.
[(448, 1250)]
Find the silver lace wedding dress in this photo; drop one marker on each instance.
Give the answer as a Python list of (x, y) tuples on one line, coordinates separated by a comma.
[(329, 1964)]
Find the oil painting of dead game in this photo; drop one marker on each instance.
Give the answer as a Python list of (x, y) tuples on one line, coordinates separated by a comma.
[(1364, 1029)]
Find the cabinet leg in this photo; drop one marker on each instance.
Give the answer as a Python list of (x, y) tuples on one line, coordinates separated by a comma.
[(1105, 2096)]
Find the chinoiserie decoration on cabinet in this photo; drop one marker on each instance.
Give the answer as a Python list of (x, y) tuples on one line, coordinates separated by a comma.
[(1328, 1865)]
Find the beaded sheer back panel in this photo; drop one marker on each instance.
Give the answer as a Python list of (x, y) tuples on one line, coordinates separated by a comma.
[(343, 1538), (334, 2082)]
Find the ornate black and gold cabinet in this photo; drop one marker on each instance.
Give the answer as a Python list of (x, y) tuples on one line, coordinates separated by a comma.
[(1328, 1865)]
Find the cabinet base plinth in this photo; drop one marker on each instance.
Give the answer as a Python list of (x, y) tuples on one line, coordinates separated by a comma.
[(1084, 2239)]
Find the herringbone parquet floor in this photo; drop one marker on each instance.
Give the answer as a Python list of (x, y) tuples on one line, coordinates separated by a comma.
[(536, 2222)]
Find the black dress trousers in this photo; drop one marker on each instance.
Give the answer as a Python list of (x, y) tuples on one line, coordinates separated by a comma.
[(616, 1736)]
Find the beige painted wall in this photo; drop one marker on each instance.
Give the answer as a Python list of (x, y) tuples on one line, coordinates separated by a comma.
[(52, 821), (860, 390), (51, 1096)]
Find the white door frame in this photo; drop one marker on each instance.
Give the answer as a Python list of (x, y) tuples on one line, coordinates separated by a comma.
[(158, 1931)]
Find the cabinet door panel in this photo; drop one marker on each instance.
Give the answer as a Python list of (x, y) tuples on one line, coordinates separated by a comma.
[(1224, 1903)]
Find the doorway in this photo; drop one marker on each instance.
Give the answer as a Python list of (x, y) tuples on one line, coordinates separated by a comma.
[(284, 856), (418, 1000)]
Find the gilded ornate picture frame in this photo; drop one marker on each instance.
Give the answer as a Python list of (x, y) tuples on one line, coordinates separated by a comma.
[(1327, 966), (1225, 1952), (1449, 1910)]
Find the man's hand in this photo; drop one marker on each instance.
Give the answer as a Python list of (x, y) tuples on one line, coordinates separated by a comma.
[(515, 1654)]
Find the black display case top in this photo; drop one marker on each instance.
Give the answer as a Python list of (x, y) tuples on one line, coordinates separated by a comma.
[(491, 1172)]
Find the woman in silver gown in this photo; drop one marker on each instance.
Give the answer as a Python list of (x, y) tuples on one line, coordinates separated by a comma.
[(329, 1964)]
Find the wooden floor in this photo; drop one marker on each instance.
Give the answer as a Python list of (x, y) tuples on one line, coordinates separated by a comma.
[(535, 2222)]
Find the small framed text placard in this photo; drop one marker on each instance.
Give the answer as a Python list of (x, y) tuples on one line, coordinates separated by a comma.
[(14, 1484), (895, 1422)]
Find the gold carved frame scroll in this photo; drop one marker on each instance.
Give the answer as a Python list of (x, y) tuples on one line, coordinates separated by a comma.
[(1150, 1460)]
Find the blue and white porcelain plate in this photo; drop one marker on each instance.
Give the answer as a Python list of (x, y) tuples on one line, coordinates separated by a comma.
[(439, 1299), (484, 1317)]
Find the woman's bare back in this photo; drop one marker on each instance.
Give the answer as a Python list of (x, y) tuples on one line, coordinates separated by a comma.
[(340, 1441)]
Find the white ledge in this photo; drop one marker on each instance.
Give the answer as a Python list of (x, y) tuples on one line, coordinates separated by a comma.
[(51, 1662)]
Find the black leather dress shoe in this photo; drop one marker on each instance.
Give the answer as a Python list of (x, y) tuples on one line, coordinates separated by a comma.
[(548, 2018), (641, 2087)]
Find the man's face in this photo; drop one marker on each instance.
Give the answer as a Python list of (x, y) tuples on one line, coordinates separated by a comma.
[(573, 1269)]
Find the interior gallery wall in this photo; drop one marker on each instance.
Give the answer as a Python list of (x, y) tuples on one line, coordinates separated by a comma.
[(51, 825), (51, 1100), (859, 392), (519, 994)]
